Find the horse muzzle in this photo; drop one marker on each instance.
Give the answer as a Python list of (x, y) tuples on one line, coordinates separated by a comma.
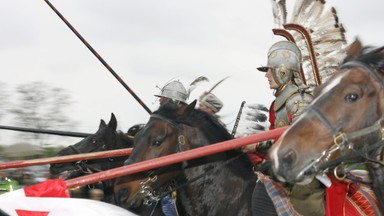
[(286, 168)]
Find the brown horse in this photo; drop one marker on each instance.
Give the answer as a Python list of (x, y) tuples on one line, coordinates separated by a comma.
[(220, 184), (344, 120)]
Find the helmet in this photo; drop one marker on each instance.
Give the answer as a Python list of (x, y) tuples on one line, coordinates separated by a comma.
[(174, 90), (132, 131), (210, 100), (285, 59)]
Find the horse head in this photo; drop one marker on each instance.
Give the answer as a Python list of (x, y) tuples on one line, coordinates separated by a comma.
[(336, 122), (106, 138), (175, 129), (165, 133)]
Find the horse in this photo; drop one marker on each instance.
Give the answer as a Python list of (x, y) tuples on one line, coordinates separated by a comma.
[(219, 184), (342, 125), (106, 138)]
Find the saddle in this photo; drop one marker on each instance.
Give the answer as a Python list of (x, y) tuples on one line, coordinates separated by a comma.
[(345, 197)]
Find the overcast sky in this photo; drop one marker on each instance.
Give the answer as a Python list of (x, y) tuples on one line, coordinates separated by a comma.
[(148, 43)]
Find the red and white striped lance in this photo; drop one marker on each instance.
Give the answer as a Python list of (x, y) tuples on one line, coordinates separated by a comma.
[(175, 158), (66, 158)]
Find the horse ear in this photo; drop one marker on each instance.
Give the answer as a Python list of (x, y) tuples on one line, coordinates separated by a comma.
[(354, 49), (113, 122), (102, 124), (190, 106), (185, 109)]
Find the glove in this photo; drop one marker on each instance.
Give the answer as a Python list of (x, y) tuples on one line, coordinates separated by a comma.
[(264, 146), (258, 147)]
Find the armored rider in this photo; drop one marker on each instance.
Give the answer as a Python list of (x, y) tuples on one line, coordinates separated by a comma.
[(211, 104), (282, 71), (172, 94), (283, 74)]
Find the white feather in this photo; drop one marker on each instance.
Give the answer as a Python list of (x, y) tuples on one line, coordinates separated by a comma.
[(327, 35), (279, 13), (250, 121), (196, 82)]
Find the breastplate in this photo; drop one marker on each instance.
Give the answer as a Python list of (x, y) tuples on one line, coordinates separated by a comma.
[(281, 112)]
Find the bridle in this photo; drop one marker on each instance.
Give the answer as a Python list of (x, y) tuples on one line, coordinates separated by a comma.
[(341, 139), (83, 165), (151, 196), (180, 137)]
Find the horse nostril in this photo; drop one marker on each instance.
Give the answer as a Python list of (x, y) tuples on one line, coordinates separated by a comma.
[(289, 157)]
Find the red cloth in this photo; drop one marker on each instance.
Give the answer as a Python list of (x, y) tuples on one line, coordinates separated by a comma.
[(272, 116), (49, 188), (52, 198), (257, 157), (345, 198)]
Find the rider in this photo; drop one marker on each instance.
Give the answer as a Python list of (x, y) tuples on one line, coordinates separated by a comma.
[(282, 72), (174, 92), (210, 103)]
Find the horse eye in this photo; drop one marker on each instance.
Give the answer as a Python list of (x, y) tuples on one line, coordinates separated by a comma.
[(351, 97), (156, 142)]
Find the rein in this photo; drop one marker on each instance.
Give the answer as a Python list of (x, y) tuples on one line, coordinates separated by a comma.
[(361, 155), (83, 166), (341, 140)]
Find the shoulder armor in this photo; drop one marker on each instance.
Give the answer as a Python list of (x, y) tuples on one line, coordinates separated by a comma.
[(297, 102), (282, 98)]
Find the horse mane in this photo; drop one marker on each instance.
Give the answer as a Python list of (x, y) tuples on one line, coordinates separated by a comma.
[(124, 140), (209, 124), (372, 56)]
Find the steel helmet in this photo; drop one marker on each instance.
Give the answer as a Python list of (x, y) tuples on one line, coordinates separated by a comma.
[(132, 131), (285, 59), (174, 90)]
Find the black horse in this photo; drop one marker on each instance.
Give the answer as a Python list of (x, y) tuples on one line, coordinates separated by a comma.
[(106, 138), (220, 184)]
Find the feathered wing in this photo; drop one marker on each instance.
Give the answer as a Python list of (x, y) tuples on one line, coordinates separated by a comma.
[(196, 82), (254, 119), (326, 41), (279, 13)]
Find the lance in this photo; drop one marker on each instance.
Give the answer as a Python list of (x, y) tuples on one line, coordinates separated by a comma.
[(238, 119), (45, 131), (175, 158), (67, 158), (99, 57)]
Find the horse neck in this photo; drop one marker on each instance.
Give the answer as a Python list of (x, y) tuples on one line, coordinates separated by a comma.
[(229, 161), (208, 184)]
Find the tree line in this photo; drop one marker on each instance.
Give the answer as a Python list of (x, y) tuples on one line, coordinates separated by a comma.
[(36, 105)]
